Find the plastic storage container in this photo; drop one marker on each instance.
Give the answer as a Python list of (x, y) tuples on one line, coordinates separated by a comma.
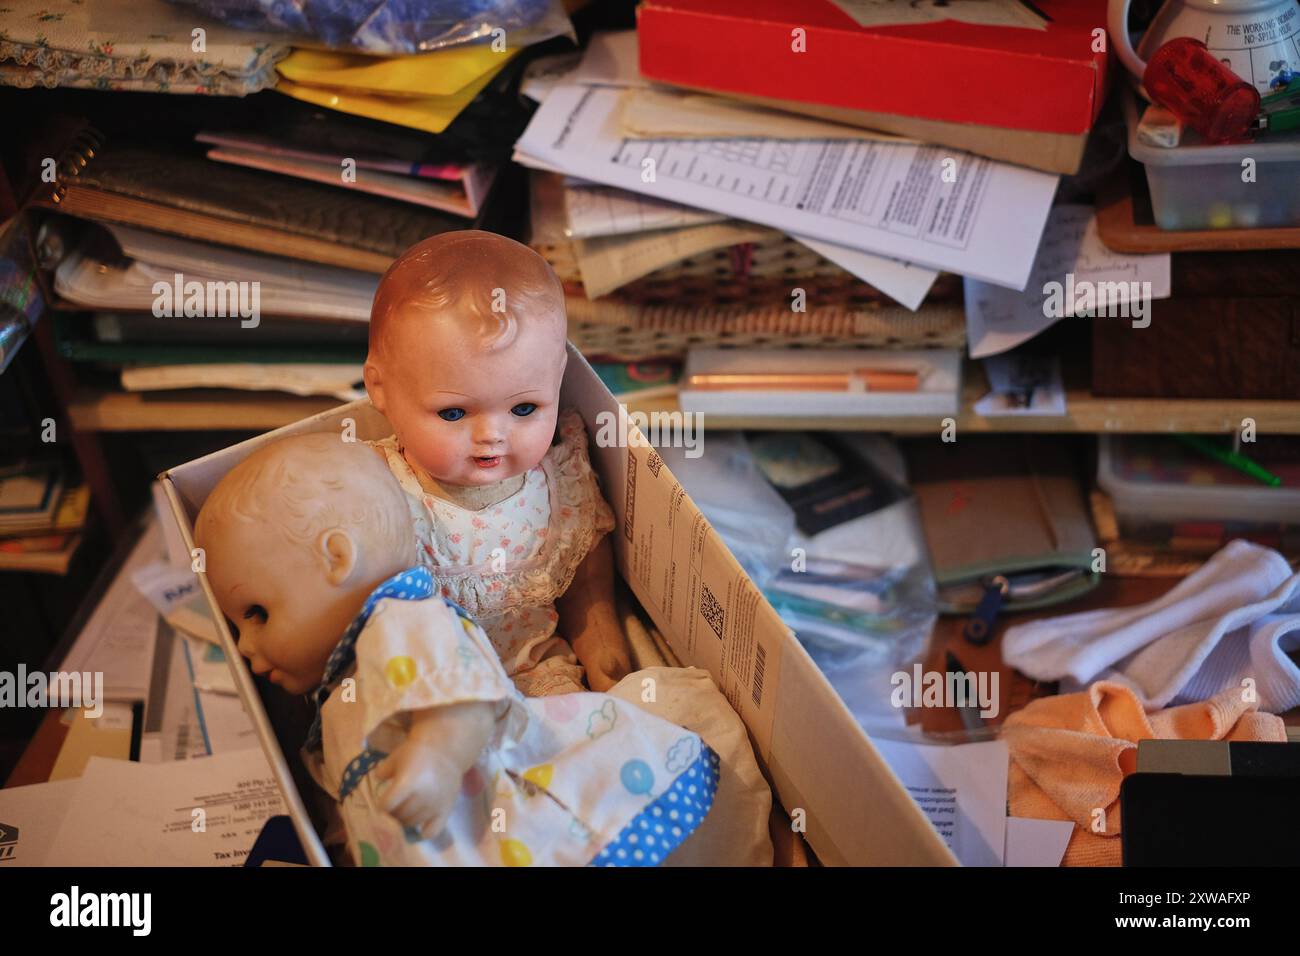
[(1194, 186), (1164, 491)]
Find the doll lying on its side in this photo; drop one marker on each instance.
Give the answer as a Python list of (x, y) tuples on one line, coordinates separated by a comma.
[(435, 756)]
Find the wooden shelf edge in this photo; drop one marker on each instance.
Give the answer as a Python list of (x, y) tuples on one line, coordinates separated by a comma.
[(209, 410), (197, 410)]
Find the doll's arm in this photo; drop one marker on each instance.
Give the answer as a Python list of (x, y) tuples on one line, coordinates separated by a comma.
[(425, 772), (590, 622)]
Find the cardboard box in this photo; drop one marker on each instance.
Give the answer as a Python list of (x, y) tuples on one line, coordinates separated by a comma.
[(824, 770), (963, 77)]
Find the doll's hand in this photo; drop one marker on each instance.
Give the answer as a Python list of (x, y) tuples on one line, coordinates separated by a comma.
[(606, 667), (422, 787)]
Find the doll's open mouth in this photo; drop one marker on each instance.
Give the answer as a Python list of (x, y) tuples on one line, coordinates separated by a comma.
[(487, 461)]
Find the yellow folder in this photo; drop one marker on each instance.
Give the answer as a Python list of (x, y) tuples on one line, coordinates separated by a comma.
[(433, 114)]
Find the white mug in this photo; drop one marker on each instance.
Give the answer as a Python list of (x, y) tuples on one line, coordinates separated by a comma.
[(1259, 40)]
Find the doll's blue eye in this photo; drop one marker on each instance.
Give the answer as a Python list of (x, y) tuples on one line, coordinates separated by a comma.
[(524, 409), (452, 414)]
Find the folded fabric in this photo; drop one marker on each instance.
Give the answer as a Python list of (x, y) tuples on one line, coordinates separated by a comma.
[(141, 45), (735, 832), (1232, 620), (1070, 753)]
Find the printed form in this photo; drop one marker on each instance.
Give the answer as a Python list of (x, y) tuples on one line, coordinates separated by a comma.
[(983, 219)]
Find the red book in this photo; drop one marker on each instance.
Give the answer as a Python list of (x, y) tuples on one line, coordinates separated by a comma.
[(1049, 81)]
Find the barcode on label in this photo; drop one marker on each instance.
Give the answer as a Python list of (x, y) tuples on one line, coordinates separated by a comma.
[(712, 610), (760, 661)]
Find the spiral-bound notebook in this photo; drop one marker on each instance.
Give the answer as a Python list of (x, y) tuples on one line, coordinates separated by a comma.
[(185, 195)]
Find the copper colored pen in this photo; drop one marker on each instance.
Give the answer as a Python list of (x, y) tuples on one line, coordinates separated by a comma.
[(858, 380)]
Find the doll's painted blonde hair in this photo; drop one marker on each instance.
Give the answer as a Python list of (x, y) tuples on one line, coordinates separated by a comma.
[(470, 276), (304, 485)]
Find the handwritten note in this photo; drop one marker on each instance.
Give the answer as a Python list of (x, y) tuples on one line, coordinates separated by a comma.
[(1072, 255)]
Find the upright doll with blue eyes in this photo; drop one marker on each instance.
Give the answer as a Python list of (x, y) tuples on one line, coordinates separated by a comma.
[(434, 755), (467, 352)]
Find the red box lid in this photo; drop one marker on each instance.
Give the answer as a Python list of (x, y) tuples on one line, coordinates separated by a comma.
[(1045, 80)]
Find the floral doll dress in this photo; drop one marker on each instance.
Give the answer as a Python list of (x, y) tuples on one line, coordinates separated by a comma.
[(569, 780), (508, 563)]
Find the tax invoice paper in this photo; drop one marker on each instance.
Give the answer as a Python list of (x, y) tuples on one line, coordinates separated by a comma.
[(930, 205)]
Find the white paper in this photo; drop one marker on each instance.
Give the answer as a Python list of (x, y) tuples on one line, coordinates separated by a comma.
[(963, 791), (1037, 842), (135, 814), (119, 638), (225, 722), (607, 211), (543, 73), (181, 734), (611, 262), (885, 198), (207, 664), (30, 818), (1013, 376), (904, 282), (202, 714), (999, 319), (992, 13), (326, 379), (165, 585), (682, 114), (611, 59)]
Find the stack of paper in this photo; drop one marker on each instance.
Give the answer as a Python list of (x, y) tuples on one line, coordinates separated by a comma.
[(891, 212), (284, 286)]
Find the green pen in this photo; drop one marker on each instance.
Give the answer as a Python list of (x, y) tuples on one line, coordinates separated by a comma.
[(1231, 458)]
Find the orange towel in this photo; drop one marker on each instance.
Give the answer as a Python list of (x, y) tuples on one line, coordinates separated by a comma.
[(1069, 755)]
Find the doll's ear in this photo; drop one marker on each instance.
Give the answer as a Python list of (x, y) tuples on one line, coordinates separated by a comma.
[(374, 385), (339, 552)]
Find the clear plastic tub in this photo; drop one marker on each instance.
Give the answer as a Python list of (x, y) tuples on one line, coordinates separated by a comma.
[(1163, 490), (1194, 186)]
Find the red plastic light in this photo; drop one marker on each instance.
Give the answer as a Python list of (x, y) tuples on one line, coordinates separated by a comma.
[(1186, 79)]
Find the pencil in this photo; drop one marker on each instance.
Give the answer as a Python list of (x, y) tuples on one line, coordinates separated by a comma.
[(858, 380)]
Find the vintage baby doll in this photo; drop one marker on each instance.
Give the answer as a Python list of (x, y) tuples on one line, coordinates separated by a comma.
[(435, 756), (467, 352)]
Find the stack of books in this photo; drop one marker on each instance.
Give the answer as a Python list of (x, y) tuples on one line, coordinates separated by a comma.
[(241, 247), (41, 517)]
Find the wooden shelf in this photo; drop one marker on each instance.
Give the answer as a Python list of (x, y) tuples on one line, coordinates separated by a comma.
[(1085, 413), (190, 410), (215, 409)]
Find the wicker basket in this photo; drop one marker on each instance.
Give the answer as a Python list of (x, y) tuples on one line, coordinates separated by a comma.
[(627, 332), (758, 275), (738, 296)]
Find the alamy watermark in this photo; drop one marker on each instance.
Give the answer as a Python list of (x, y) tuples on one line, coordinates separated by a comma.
[(951, 689), (1078, 297), (208, 299), (132, 911), (672, 429), (83, 689)]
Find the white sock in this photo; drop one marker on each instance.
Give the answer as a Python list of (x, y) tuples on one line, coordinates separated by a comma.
[(1233, 618)]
